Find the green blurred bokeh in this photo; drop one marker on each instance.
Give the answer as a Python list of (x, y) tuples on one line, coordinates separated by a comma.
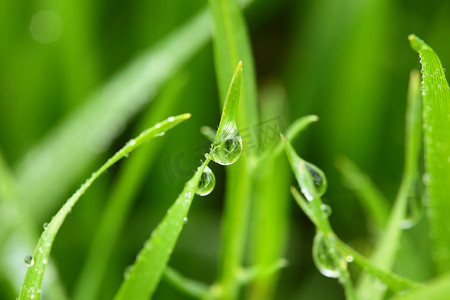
[(346, 61)]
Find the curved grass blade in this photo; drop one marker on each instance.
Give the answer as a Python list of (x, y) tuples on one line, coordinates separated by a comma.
[(436, 126), (121, 196), (305, 180), (31, 288), (185, 285), (372, 200), (384, 254), (141, 281), (437, 289)]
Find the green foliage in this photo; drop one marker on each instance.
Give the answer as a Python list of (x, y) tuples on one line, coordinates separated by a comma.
[(31, 288), (436, 125)]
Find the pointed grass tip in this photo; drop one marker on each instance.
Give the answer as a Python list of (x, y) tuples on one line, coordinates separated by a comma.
[(416, 43)]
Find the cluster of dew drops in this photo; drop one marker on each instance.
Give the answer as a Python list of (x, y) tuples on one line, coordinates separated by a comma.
[(225, 153)]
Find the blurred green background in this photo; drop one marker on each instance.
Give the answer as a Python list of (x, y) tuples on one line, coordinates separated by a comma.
[(346, 61)]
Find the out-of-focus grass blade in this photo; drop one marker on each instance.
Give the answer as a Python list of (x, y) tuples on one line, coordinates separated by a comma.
[(436, 125), (386, 249), (121, 196), (141, 281), (437, 289), (373, 201), (185, 285), (31, 288), (100, 120)]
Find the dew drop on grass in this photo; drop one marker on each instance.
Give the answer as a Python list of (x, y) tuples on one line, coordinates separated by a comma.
[(349, 258), (45, 226), (127, 271), (319, 178), (29, 260), (322, 257), (326, 209), (227, 151), (206, 183)]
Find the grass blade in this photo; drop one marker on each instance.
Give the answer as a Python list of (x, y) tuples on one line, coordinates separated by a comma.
[(372, 200), (151, 262), (121, 197), (385, 252), (438, 289), (231, 45), (436, 125), (31, 288), (305, 180), (185, 285)]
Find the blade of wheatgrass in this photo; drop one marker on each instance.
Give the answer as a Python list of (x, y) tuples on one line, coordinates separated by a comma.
[(323, 226), (437, 289), (31, 288), (436, 126), (231, 44), (100, 120), (11, 210), (373, 201), (122, 195), (384, 254), (145, 274)]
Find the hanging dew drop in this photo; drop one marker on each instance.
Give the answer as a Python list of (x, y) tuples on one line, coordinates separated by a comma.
[(29, 260), (127, 271), (319, 178), (45, 226), (227, 151), (326, 209), (206, 183), (322, 257), (413, 213)]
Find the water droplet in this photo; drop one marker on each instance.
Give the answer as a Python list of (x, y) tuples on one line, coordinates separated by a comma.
[(29, 260), (227, 151), (349, 258), (322, 257), (31, 293), (185, 220), (206, 183), (413, 213), (319, 178), (326, 209), (171, 119), (160, 134), (127, 271), (45, 226), (131, 142)]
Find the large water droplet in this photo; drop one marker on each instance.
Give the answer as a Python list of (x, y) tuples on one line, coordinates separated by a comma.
[(227, 151), (319, 178), (206, 183), (322, 257), (29, 260)]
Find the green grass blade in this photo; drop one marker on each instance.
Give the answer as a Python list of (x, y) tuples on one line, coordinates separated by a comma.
[(437, 289), (100, 120), (31, 288), (121, 197), (392, 280), (373, 201), (436, 124), (384, 254), (308, 188), (231, 45), (151, 262), (185, 285)]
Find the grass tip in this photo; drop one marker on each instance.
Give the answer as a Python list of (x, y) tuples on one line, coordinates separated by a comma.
[(240, 65)]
